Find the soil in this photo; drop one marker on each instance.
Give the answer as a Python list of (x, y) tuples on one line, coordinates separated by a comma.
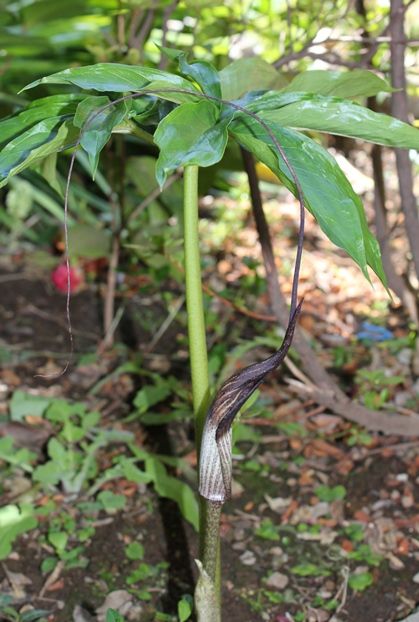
[(380, 484)]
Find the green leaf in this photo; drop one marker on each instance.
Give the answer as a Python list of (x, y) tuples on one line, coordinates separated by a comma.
[(354, 83), (97, 118), (14, 520), (17, 457), (268, 531), (309, 570), (185, 608), (134, 474), (190, 134), (33, 145), (150, 395), (23, 404), (39, 110), (113, 616), (173, 488), (339, 116), (134, 551), (203, 73), (61, 411), (61, 467), (111, 501), (327, 192), (329, 494), (58, 539), (117, 78), (248, 74), (359, 582)]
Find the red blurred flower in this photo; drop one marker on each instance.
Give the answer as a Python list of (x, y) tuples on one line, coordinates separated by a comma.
[(59, 278)]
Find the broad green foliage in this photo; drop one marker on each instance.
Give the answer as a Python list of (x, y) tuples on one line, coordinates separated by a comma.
[(97, 117), (356, 83), (190, 134), (327, 192), (197, 130), (57, 106), (35, 144), (248, 74), (316, 112), (116, 78)]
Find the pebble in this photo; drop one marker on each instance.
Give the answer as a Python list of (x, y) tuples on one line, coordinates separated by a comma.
[(278, 581), (416, 578), (248, 558), (239, 534), (277, 551), (236, 489), (407, 501), (394, 562)]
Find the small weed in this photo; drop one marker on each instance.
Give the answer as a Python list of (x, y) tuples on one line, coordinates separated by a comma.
[(358, 436), (330, 494), (375, 386), (309, 569), (8, 612), (268, 531), (354, 532), (360, 581), (364, 554)]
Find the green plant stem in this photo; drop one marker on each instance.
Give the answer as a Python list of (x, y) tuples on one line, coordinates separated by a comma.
[(194, 302), (211, 543), (209, 512)]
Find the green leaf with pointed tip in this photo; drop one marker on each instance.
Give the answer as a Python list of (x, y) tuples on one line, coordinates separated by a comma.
[(355, 83), (327, 192), (33, 145), (14, 520), (173, 488), (113, 77), (190, 134), (39, 110), (248, 74), (97, 117), (203, 73), (337, 116)]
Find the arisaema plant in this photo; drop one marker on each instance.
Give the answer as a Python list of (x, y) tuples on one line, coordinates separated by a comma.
[(191, 116)]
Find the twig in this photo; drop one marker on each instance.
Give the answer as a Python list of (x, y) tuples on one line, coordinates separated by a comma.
[(342, 592), (52, 578), (139, 39), (154, 194), (165, 325), (166, 15), (229, 303), (399, 110), (111, 331)]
